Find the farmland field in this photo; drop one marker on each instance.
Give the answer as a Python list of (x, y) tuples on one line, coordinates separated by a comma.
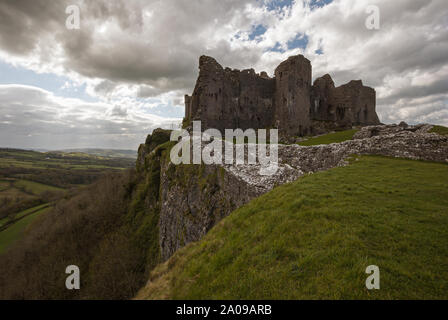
[(31, 181), (35, 188), (14, 232)]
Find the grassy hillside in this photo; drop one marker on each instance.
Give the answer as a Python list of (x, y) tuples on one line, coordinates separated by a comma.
[(35, 188), (440, 130), (314, 238), (15, 232), (334, 137)]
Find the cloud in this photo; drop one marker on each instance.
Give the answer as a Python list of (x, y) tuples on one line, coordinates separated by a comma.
[(35, 118), (149, 43), (139, 56)]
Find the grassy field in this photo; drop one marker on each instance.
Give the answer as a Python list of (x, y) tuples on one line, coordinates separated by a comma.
[(314, 238), (12, 191), (14, 232), (72, 160), (38, 172), (334, 137), (16, 216), (29, 179), (440, 130), (105, 153), (34, 187), (4, 185), (30, 210)]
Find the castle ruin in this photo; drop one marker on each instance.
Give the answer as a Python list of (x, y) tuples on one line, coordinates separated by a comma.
[(225, 98)]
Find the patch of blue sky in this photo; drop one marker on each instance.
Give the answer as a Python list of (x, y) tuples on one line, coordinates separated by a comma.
[(300, 41), (319, 3), (51, 82), (257, 32), (273, 5), (277, 48)]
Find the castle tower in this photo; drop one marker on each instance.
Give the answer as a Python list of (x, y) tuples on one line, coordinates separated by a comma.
[(292, 96)]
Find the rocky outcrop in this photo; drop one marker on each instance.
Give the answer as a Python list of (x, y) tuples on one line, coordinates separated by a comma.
[(194, 199), (158, 137), (229, 99), (191, 199), (394, 141), (372, 131)]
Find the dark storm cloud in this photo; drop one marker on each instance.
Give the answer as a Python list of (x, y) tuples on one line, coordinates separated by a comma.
[(23, 22)]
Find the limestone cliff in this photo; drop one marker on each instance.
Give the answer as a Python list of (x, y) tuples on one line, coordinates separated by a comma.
[(186, 201)]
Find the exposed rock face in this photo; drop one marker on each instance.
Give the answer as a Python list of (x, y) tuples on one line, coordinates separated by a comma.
[(193, 198), (153, 140), (372, 131), (392, 140), (230, 99)]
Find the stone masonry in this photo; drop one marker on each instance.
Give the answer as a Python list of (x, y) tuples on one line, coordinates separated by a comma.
[(225, 98)]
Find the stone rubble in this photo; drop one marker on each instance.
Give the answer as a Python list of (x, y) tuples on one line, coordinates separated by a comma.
[(413, 142)]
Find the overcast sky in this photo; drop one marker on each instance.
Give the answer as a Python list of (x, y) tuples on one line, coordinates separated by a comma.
[(127, 68)]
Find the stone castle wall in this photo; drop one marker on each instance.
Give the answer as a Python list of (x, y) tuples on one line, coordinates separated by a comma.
[(292, 96), (229, 99)]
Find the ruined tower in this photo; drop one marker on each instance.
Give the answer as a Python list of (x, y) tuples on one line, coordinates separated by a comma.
[(225, 98), (292, 96), (341, 107)]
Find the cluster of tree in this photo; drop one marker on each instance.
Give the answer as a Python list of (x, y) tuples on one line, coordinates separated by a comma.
[(62, 178), (10, 206), (95, 230)]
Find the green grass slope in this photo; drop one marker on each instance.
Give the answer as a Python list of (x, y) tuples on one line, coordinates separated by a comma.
[(35, 188), (14, 232), (440, 130), (334, 137), (314, 238)]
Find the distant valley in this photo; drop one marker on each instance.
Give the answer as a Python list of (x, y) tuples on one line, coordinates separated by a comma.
[(31, 182)]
